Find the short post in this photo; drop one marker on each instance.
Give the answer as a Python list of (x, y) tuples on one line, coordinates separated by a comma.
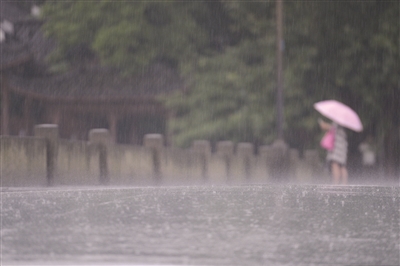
[(244, 152), (50, 133), (203, 149), (100, 137), (277, 160), (313, 162), (265, 153), (294, 163), (225, 149), (156, 143)]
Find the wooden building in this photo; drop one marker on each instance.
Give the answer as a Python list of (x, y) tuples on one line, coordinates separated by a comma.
[(85, 97)]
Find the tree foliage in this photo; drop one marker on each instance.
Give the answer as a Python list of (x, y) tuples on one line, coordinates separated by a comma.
[(232, 91), (358, 62), (127, 34), (230, 97)]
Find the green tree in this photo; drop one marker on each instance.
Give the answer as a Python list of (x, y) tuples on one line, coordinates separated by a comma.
[(128, 35), (229, 97), (232, 91), (358, 62), (230, 88)]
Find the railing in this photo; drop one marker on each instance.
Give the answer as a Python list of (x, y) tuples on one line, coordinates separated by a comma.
[(46, 160)]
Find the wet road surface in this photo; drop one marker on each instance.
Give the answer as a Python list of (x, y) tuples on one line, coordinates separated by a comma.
[(220, 225)]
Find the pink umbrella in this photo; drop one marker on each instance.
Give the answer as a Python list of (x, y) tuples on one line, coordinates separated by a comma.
[(340, 113)]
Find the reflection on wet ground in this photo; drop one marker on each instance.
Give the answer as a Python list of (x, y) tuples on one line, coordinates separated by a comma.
[(221, 225)]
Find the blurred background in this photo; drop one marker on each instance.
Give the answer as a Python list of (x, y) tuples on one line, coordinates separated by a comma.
[(203, 70)]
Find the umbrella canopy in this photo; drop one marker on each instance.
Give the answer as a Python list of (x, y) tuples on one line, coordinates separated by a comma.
[(340, 113)]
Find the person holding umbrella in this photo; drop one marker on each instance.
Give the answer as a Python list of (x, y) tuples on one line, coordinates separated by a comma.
[(342, 117), (337, 155)]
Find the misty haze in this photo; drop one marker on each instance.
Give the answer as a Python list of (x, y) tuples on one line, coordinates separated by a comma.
[(200, 132)]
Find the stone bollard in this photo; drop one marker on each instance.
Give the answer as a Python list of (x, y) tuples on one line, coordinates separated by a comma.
[(293, 163), (225, 150), (245, 151), (50, 133), (100, 135), (265, 156), (312, 160), (203, 149), (277, 160), (101, 139), (155, 142)]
